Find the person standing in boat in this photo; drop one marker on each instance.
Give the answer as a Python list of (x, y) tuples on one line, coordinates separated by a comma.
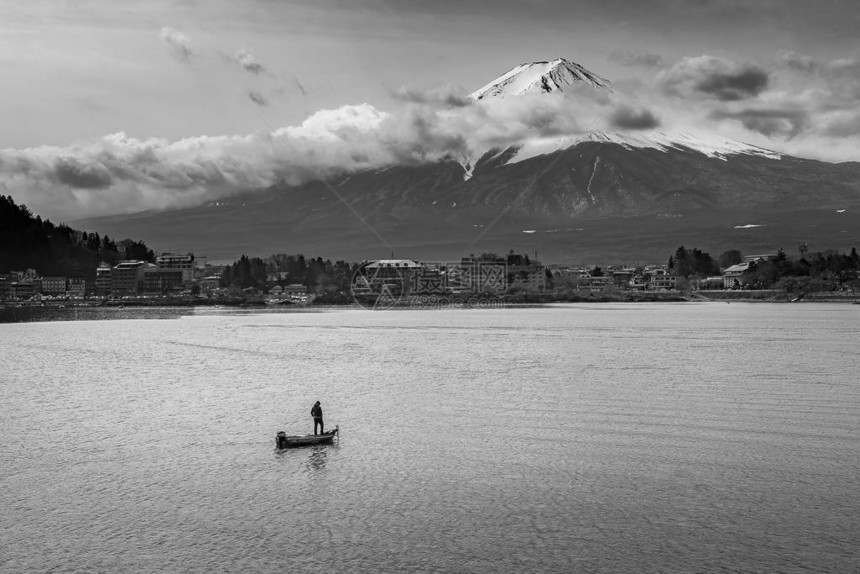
[(316, 412)]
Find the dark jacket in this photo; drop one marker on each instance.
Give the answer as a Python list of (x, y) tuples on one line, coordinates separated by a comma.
[(316, 412)]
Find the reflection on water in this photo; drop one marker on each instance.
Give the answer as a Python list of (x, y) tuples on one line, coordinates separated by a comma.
[(72, 312), (37, 313), (577, 438), (317, 457)]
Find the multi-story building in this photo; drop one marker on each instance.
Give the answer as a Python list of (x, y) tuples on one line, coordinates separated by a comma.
[(661, 280), (103, 280), (23, 289), (127, 278), (184, 263), (732, 275), (529, 277), (77, 286), (395, 275), (160, 281), (53, 285)]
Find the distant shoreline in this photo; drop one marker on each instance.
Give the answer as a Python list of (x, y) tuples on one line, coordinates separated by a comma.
[(30, 311), (757, 296)]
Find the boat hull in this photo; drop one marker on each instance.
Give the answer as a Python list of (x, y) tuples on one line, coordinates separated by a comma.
[(282, 440)]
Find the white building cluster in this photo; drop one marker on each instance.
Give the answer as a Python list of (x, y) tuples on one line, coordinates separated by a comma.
[(171, 273)]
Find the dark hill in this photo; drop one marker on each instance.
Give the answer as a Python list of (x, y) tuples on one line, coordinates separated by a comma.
[(28, 241)]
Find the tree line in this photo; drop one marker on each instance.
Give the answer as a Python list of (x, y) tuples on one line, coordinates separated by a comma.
[(317, 275), (821, 271), (28, 241)]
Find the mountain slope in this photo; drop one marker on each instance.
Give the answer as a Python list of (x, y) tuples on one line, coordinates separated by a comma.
[(593, 201)]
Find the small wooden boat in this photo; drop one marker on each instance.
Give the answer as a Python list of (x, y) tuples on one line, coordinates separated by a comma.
[(284, 441)]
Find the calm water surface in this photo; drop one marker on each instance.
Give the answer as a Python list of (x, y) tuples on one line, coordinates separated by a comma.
[(577, 438)]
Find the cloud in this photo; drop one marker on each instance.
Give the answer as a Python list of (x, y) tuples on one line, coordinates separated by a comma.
[(801, 63), (716, 78), (629, 118), (249, 62), (119, 174), (178, 42), (841, 76), (122, 174), (843, 125), (70, 171), (639, 58), (786, 123), (850, 66), (825, 89), (446, 96), (257, 98)]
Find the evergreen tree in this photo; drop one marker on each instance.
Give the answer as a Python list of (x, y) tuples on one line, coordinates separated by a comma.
[(693, 263), (28, 241), (729, 258)]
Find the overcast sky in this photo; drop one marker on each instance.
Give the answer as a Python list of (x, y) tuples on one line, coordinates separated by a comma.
[(184, 95)]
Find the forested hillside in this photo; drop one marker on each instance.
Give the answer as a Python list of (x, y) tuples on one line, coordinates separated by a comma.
[(28, 241)]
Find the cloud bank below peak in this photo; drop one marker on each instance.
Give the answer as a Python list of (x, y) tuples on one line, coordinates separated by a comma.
[(122, 174)]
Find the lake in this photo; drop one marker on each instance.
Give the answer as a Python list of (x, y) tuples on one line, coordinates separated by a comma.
[(566, 438)]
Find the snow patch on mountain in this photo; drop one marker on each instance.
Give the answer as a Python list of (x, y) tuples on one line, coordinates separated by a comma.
[(709, 144), (540, 77), (467, 162)]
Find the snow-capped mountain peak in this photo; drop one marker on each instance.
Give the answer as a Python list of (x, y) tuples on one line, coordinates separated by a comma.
[(559, 75), (540, 77)]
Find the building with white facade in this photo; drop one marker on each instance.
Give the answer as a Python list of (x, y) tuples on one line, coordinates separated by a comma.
[(175, 261)]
